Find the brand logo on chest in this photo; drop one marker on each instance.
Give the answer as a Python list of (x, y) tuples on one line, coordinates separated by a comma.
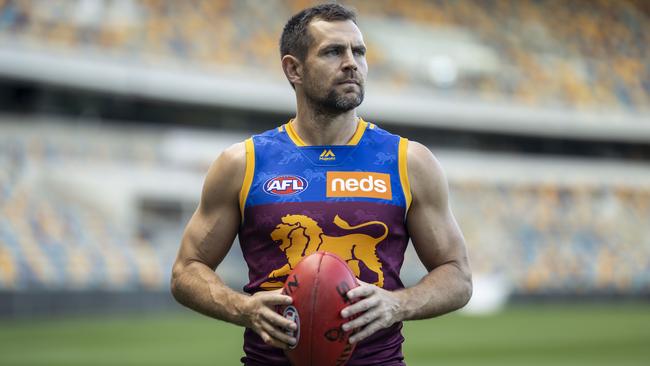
[(327, 155), (359, 184), (285, 185)]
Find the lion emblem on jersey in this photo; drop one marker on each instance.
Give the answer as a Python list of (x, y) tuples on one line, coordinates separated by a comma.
[(300, 235)]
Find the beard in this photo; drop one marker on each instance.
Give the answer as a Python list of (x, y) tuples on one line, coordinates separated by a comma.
[(343, 102), (334, 102)]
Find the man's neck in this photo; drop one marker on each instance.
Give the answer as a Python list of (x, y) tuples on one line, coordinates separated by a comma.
[(321, 129)]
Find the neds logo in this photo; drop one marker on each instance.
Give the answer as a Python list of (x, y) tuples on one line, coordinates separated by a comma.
[(285, 185), (359, 184)]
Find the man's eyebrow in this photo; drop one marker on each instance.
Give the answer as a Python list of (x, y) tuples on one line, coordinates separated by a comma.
[(339, 46), (359, 48), (332, 46)]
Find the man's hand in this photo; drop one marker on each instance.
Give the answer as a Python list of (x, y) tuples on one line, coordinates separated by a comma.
[(271, 326), (379, 309)]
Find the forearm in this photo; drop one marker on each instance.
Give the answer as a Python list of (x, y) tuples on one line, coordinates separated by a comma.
[(444, 289), (199, 288)]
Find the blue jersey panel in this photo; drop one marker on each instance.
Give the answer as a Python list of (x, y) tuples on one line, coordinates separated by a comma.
[(285, 172)]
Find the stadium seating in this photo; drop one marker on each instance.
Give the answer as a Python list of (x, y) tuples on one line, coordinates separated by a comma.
[(585, 55), (558, 239), (51, 241)]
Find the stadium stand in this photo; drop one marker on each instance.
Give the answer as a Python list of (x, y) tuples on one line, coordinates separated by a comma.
[(54, 241), (577, 54), (545, 235), (561, 239)]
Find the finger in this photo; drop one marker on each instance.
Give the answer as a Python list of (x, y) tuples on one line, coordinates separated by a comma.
[(362, 321), (361, 306), (278, 291), (363, 290), (279, 334), (365, 333), (278, 320), (268, 339), (275, 299)]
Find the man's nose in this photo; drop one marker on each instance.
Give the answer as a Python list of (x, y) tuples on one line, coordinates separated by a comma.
[(349, 62)]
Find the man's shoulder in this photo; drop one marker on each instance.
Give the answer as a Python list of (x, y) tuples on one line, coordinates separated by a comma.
[(426, 175), (234, 153), (421, 158), (232, 160), (224, 177)]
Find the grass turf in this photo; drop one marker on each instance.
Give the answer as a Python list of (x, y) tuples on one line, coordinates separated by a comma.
[(533, 335)]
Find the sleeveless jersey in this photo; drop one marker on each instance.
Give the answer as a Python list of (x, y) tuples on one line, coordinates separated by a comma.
[(350, 200)]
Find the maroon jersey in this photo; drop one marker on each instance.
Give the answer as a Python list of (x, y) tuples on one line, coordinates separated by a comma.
[(350, 200)]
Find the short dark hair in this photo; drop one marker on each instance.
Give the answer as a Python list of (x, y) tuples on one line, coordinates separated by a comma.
[(295, 39)]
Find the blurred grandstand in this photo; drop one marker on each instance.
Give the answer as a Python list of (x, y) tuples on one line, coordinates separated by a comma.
[(539, 53), (88, 203)]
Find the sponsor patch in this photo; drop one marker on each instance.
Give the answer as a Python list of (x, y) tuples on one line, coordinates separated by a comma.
[(359, 184), (285, 185)]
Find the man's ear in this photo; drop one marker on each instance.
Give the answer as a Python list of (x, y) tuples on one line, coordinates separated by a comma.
[(292, 68)]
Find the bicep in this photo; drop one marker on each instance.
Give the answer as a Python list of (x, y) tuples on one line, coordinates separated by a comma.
[(208, 237), (210, 232), (434, 231)]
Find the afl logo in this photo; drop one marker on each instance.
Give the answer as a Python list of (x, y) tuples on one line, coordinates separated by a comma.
[(291, 313), (285, 185)]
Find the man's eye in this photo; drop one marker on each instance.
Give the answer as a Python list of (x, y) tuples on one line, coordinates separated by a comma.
[(333, 52)]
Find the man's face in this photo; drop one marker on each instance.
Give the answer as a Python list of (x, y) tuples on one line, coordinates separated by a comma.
[(335, 67)]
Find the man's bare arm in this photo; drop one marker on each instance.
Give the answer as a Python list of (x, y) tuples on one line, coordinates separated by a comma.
[(207, 239), (440, 246), (437, 240)]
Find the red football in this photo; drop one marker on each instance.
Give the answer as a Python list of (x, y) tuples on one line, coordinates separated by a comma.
[(318, 287)]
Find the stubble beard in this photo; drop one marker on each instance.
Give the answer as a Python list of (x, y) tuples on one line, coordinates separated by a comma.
[(343, 102), (334, 103)]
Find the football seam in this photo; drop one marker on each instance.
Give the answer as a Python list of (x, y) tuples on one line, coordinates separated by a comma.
[(314, 291)]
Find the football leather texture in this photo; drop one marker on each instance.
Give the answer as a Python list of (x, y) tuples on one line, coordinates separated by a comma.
[(318, 286)]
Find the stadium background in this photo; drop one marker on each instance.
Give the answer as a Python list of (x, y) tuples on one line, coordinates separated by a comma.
[(112, 110)]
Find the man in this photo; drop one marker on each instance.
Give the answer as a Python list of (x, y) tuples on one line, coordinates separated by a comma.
[(326, 177)]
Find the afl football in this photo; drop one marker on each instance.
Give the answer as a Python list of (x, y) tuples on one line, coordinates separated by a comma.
[(318, 286)]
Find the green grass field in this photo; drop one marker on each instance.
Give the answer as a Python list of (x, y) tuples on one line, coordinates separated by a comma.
[(532, 335)]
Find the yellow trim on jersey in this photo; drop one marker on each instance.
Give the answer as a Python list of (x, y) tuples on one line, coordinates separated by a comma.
[(403, 170), (293, 135), (248, 176), (361, 128)]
